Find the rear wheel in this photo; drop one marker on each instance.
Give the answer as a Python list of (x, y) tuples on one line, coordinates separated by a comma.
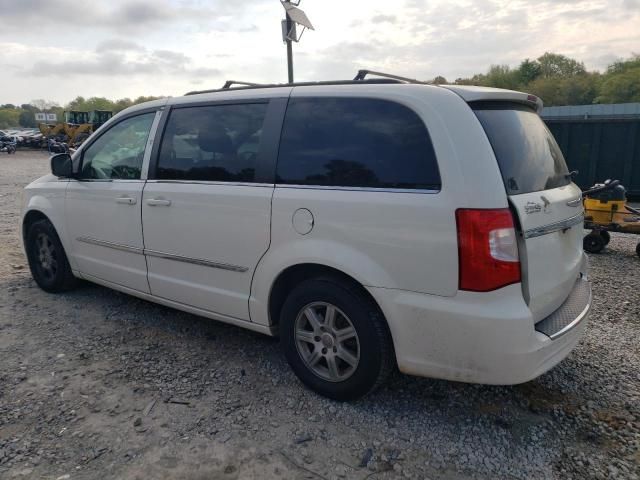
[(335, 339), (593, 243), (605, 236), (47, 259), (638, 249)]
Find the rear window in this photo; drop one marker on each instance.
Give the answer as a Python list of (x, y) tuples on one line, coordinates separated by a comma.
[(355, 142), (528, 156)]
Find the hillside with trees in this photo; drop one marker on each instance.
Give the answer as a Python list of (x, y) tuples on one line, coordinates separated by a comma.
[(24, 115), (560, 80)]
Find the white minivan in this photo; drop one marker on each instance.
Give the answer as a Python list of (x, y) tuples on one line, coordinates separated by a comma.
[(372, 224)]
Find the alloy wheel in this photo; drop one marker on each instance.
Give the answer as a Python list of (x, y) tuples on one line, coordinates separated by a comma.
[(327, 341)]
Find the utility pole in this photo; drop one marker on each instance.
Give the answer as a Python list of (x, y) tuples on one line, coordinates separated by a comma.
[(289, 46), (294, 17)]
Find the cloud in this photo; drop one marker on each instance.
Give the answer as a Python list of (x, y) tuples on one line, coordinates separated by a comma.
[(384, 18), (117, 44), (115, 58), (139, 47), (117, 15)]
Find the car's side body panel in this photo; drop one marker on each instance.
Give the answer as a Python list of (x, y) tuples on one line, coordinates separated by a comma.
[(384, 238), (228, 224), (219, 247), (46, 196), (102, 220), (202, 249)]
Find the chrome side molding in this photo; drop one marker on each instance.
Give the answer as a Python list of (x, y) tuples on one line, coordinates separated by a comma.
[(195, 261), (116, 246), (168, 256), (554, 227)]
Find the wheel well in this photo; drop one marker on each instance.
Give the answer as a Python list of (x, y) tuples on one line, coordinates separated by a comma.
[(295, 274), (31, 217)]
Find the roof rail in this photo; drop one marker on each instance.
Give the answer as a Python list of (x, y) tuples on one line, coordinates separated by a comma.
[(298, 84), (363, 73), (228, 84)]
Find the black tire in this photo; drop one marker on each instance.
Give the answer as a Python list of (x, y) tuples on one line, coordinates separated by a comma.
[(593, 243), (373, 341), (638, 249), (47, 258), (605, 236)]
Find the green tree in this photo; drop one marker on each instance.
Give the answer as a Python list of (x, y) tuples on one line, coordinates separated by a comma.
[(439, 80), (556, 65), (549, 90), (621, 83), (27, 119), (528, 71), (9, 117)]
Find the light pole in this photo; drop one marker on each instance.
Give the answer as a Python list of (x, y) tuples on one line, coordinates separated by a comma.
[(294, 16)]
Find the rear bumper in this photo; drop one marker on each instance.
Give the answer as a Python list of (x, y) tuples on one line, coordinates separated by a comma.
[(472, 337)]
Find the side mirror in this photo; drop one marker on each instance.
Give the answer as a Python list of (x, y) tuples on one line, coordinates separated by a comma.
[(61, 165)]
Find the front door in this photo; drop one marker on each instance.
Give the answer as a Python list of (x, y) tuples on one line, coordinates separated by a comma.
[(102, 206), (206, 210)]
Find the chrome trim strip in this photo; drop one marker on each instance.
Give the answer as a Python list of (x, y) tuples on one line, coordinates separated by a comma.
[(146, 159), (116, 246), (307, 187), (358, 189), (554, 227), (208, 182), (575, 202), (168, 256), (195, 261), (577, 320)]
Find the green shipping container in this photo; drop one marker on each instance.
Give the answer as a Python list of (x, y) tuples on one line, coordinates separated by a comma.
[(600, 141)]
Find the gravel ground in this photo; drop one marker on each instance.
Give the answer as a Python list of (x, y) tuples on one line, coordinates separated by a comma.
[(97, 384)]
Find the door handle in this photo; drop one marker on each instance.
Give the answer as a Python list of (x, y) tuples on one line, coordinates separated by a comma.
[(575, 202), (158, 202), (126, 200)]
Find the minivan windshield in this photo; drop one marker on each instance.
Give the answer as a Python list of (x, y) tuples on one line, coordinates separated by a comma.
[(528, 156)]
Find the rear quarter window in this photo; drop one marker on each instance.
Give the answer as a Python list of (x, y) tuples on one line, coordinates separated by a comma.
[(355, 142), (528, 155)]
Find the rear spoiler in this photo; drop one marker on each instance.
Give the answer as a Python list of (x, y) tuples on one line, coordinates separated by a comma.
[(478, 94)]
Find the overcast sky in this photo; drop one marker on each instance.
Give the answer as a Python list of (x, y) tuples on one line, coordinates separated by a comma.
[(129, 48)]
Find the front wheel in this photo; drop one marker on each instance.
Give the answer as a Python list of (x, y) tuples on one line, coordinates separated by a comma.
[(47, 259), (335, 339)]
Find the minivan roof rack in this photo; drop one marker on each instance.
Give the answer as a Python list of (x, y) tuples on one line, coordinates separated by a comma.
[(358, 79), (363, 73), (297, 84), (228, 83)]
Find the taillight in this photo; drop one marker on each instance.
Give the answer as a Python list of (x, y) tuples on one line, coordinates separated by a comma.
[(487, 249)]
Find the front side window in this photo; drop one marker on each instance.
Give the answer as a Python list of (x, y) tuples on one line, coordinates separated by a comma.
[(355, 142), (118, 153), (212, 143)]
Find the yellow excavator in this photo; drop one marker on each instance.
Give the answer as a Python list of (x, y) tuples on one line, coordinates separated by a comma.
[(76, 128), (95, 119), (52, 130)]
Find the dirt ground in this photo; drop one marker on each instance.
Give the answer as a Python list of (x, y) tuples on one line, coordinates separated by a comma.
[(97, 384)]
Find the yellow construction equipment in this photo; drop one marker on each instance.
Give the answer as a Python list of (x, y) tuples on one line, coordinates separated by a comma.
[(77, 127), (606, 210)]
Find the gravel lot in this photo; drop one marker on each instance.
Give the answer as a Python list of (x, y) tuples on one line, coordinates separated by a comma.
[(97, 384)]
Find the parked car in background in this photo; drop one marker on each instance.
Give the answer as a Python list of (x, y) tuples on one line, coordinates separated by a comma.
[(370, 224), (8, 144)]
